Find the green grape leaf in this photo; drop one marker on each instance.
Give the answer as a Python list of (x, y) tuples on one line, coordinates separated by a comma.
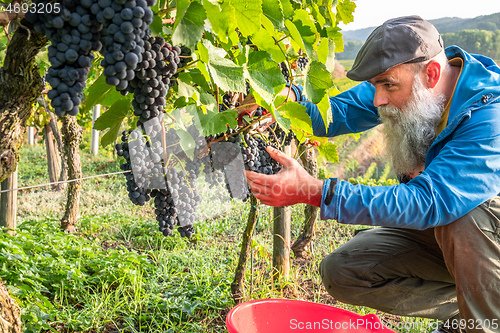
[(221, 18), (326, 53), (316, 13), (226, 74), (101, 93), (300, 120), (294, 110), (207, 99), (184, 86), (336, 36), (317, 82), (198, 78), (307, 30), (295, 35), (273, 11), (287, 9), (266, 43), (189, 23), (248, 15), (264, 75), (112, 119), (345, 9), (115, 114), (329, 151), (187, 142), (156, 26), (215, 122), (325, 109)]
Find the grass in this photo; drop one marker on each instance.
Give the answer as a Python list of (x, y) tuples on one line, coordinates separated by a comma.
[(118, 274)]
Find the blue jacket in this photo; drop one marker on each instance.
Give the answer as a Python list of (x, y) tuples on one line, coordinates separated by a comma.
[(462, 166)]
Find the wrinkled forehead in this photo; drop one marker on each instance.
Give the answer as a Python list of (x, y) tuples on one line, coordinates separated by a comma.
[(398, 74)]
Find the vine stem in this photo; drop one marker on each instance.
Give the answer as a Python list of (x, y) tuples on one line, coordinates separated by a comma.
[(187, 65)]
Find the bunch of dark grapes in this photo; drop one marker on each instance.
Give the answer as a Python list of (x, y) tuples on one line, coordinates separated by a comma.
[(184, 54), (176, 205), (166, 213), (279, 137), (285, 72), (226, 158), (152, 78), (117, 28), (125, 25), (73, 33), (302, 63), (138, 195), (256, 157), (226, 103)]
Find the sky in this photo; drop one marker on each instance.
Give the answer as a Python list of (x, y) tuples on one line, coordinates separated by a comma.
[(371, 13)]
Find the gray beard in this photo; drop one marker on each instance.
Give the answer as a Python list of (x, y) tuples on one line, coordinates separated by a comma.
[(410, 131)]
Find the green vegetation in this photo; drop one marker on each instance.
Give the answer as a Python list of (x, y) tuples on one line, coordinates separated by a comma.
[(118, 273), (476, 41), (476, 35)]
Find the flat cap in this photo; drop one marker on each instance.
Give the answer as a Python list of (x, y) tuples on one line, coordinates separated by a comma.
[(406, 39)]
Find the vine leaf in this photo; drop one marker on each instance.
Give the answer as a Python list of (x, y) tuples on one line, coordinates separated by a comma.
[(189, 23), (317, 81), (184, 86), (187, 142), (264, 76), (329, 151), (221, 18), (345, 8), (226, 74), (273, 11), (247, 15), (156, 26), (101, 93), (112, 119), (307, 30), (297, 114), (216, 122), (265, 43), (295, 35), (287, 8), (326, 53)]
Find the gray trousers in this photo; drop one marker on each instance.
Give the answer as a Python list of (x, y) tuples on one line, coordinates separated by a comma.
[(436, 273)]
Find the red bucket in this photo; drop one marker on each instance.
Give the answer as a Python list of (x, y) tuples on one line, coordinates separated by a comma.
[(286, 315)]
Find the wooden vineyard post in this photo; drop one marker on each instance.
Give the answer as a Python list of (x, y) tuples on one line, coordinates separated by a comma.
[(31, 135), (281, 238), (53, 157), (8, 203), (94, 141), (303, 243)]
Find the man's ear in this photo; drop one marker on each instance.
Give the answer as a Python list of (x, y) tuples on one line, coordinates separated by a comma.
[(433, 73)]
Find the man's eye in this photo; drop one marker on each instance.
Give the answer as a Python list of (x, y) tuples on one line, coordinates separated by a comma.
[(388, 85)]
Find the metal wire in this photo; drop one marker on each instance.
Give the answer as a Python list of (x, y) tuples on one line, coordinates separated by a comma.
[(63, 181)]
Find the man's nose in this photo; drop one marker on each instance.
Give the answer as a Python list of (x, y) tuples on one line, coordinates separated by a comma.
[(380, 99)]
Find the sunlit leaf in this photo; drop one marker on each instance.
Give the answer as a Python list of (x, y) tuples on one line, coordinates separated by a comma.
[(189, 23)]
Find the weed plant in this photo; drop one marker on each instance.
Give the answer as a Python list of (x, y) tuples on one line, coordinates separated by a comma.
[(117, 273)]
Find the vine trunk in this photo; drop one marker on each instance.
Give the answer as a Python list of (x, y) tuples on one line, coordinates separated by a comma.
[(72, 136), (20, 85)]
